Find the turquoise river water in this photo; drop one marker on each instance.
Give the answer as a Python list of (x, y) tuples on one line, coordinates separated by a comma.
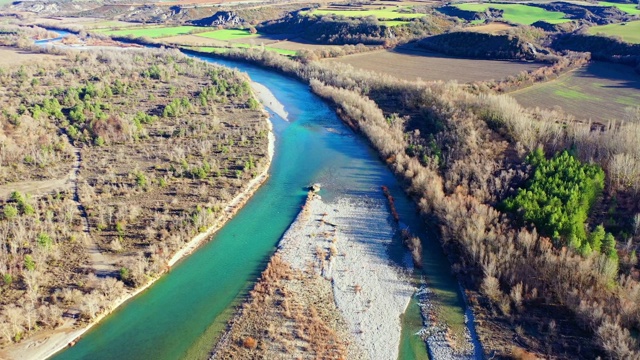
[(181, 315)]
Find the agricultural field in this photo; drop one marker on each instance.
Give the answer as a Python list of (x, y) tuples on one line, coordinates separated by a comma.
[(387, 13), (414, 64), (492, 28), (152, 31), (228, 34), (518, 13), (598, 91), (629, 32), (628, 8), (223, 49)]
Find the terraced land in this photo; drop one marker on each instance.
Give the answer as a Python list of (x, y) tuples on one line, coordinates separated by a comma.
[(518, 13), (629, 32), (598, 91), (413, 64)]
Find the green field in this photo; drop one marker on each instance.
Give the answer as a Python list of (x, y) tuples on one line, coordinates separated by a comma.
[(379, 14), (629, 32), (518, 13), (628, 8), (152, 32), (227, 34), (220, 49)]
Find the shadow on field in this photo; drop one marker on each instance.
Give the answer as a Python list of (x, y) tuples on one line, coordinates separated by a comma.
[(624, 76)]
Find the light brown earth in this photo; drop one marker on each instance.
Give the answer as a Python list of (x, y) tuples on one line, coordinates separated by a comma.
[(294, 45), (492, 28), (11, 56), (413, 64)]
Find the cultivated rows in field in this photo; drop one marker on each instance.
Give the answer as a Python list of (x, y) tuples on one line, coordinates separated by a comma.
[(599, 92), (411, 65)]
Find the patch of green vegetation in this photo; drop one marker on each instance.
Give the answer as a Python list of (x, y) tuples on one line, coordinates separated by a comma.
[(557, 200), (379, 14), (518, 13), (574, 94), (629, 32), (152, 32), (222, 49), (228, 34), (628, 8)]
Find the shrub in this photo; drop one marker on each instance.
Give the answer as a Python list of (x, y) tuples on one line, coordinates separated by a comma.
[(10, 211), (249, 343)]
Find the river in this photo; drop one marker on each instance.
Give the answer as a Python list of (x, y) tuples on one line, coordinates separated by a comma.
[(181, 315)]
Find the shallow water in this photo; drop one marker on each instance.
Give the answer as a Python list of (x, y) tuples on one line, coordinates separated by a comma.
[(183, 312)]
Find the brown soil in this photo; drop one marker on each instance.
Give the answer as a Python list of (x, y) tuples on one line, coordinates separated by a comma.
[(492, 28), (410, 64)]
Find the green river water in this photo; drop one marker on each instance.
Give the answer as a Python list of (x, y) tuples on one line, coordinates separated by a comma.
[(182, 314)]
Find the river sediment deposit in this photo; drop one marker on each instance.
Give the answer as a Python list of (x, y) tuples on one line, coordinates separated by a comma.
[(343, 247)]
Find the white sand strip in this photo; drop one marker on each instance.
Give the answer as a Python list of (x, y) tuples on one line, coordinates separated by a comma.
[(370, 291), (269, 100)]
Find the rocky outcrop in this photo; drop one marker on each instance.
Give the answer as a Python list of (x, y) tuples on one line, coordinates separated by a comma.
[(221, 18)]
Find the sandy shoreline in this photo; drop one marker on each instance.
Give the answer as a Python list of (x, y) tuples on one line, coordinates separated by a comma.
[(48, 343), (269, 100)]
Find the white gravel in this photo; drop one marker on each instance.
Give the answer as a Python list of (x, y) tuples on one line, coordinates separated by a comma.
[(371, 292)]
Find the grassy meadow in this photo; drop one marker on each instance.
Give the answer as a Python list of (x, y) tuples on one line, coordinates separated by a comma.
[(228, 34), (628, 8), (222, 49), (518, 13), (629, 32), (152, 31)]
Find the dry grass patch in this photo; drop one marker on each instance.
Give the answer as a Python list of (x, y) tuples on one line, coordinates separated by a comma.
[(13, 57), (492, 28), (290, 315)]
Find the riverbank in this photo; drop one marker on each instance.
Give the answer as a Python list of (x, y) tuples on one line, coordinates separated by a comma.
[(344, 245), (48, 343)]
